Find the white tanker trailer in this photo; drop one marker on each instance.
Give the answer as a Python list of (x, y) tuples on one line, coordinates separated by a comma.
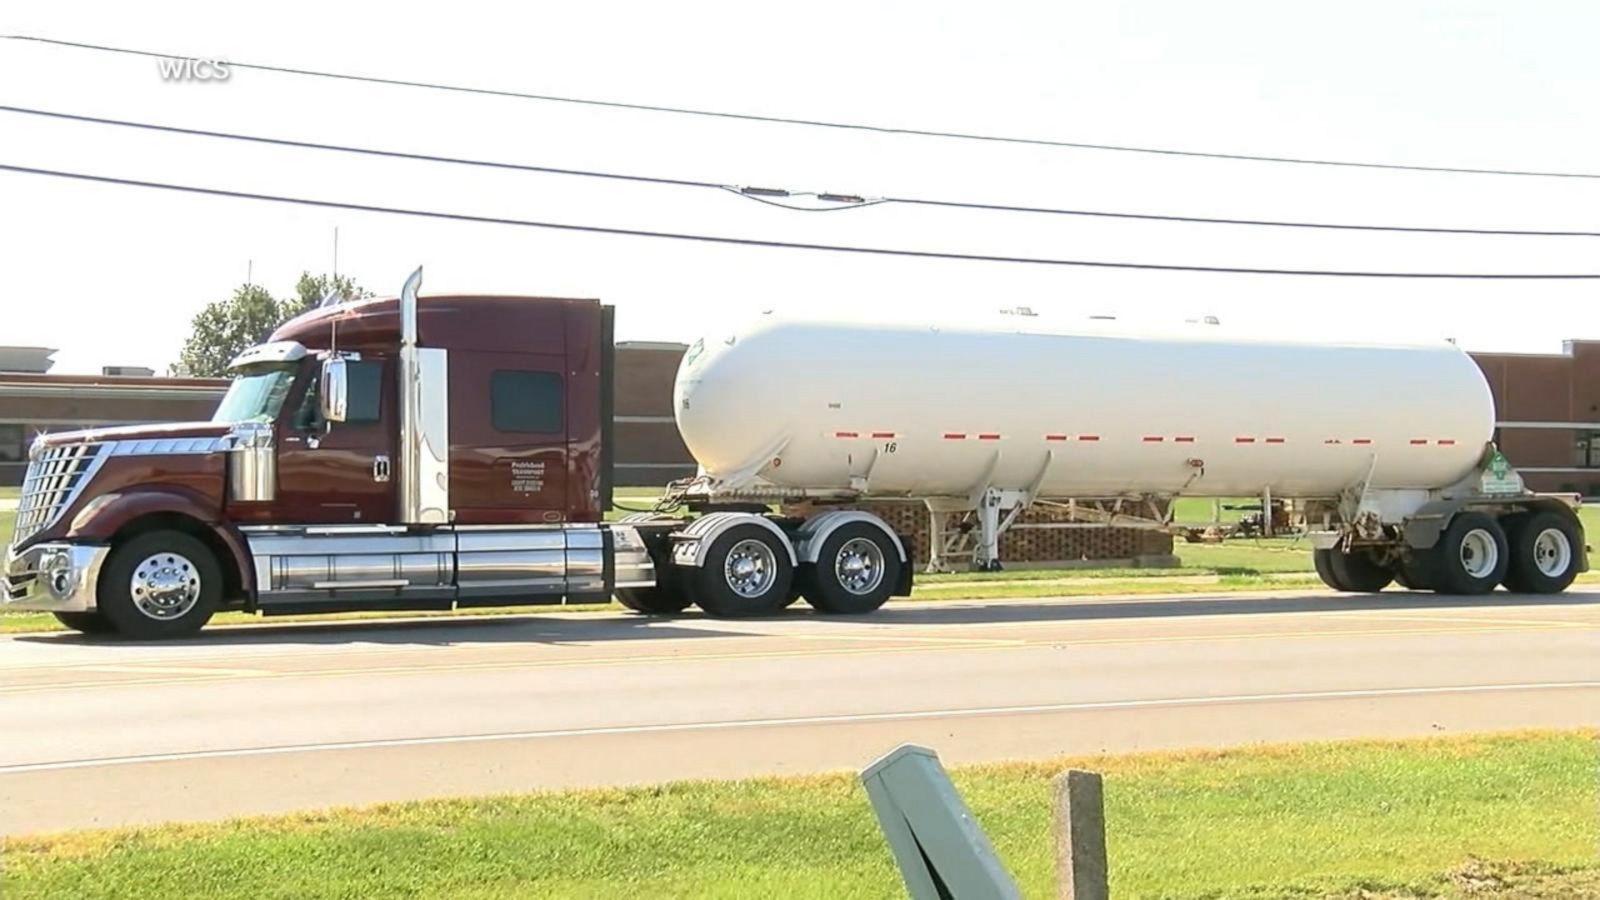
[(1386, 449)]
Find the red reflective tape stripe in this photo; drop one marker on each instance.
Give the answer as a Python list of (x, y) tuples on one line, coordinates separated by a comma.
[(1088, 437), (878, 435), (1362, 441), (1446, 442), (845, 434), (953, 436), (1244, 440), (1274, 440), (1184, 439), (988, 437), (1153, 439), (1055, 437), (1415, 441)]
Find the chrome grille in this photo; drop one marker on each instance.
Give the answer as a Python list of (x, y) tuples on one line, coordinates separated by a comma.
[(55, 476)]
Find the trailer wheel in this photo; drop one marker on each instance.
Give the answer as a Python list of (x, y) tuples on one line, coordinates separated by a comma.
[(160, 584), (856, 570), (1411, 572), (1355, 573), (1544, 553), (746, 573), (85, 622), (1470, 558)]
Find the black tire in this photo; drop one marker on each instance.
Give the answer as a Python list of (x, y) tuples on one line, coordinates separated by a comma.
[(1410, 572), (664, 599), (1323, 561), (827, 591), (1352, 573), (1536, 565), (1445, 566), (85, 622), (714, 591), (185, 563)]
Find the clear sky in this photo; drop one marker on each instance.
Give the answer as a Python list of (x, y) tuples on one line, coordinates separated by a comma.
[(112, 275)]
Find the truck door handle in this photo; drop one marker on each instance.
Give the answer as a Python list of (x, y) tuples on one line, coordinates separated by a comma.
[(380, 468)]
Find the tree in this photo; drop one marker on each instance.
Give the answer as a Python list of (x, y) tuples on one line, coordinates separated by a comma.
[(226, 327)]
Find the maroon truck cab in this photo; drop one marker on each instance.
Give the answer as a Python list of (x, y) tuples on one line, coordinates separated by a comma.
[(378, 454)]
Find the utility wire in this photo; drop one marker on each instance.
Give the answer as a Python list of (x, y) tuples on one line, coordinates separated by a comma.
[(853, 202), (812, 123), (754, 242)]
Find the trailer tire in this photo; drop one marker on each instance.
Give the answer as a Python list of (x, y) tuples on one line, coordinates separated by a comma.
[(1412, 573), (1470, 558), (856, 570), (746, 573), (160, 584), (1353, 573), (1544, 553), (85, 622)]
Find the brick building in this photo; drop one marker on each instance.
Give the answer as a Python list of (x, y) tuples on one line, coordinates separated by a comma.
[(1548, 411)]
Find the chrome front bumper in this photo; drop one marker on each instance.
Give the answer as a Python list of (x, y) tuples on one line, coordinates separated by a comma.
[(52, 577)]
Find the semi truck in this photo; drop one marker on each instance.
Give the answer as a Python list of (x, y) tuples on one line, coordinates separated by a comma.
[(452, 452)]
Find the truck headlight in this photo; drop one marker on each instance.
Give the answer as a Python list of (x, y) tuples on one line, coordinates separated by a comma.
[(59, 579)]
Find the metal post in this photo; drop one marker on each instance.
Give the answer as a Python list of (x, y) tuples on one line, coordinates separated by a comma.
[(1081, 836), (1266, 511), (988, 557)]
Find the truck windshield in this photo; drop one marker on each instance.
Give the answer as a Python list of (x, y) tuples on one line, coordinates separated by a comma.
[(256, 395)]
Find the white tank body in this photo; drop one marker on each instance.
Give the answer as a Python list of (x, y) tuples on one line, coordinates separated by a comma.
[(1091, 411)]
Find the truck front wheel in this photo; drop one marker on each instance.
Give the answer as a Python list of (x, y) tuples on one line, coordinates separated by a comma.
[(746, 573), (160, 584), (85, 622)]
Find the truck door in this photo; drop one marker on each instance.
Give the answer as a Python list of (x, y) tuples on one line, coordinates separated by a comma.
[(340, 472), (508, 437)]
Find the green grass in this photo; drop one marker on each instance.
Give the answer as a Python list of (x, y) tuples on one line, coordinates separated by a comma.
[(1356, 819)]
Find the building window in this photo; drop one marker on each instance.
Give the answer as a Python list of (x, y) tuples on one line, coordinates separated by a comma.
[(13, 442), (1589, 449), (529, 402)]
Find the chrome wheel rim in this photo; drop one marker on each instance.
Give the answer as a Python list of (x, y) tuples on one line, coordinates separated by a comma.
[(1480, 553), (750, 568), (1552, 553), (165, 586), (859, 566)]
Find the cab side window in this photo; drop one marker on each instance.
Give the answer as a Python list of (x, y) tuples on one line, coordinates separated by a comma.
[(365, 397), (526, 402)]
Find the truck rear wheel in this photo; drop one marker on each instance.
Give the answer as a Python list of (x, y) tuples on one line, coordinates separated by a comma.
[(1356, 572), (746, 573), (85, 622), (1470, 558), (856, 570), (664, 598), (160, 584), (1544, 557)]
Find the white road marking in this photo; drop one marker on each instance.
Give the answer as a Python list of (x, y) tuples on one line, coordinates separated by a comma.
[(798, 720)]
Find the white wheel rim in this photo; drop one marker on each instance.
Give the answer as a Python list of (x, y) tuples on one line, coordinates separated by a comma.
[(1480, 553), (1552, 553), (165, 586), (750, 568), (859, 566)]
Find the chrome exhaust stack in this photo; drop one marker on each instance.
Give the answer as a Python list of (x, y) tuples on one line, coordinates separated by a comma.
[(424, 420)]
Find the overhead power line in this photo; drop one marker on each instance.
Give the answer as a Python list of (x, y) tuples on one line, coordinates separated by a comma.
[(812, 123), (787, 245), (763, 194)]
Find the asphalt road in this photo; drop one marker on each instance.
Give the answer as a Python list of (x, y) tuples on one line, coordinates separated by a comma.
[(261, 720)]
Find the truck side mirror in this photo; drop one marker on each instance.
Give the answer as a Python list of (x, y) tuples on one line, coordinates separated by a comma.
[(334, 394)]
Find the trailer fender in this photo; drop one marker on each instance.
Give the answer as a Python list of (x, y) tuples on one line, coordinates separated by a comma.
[(814, 533), (1423, 527), (691, 543), (107, 514)]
